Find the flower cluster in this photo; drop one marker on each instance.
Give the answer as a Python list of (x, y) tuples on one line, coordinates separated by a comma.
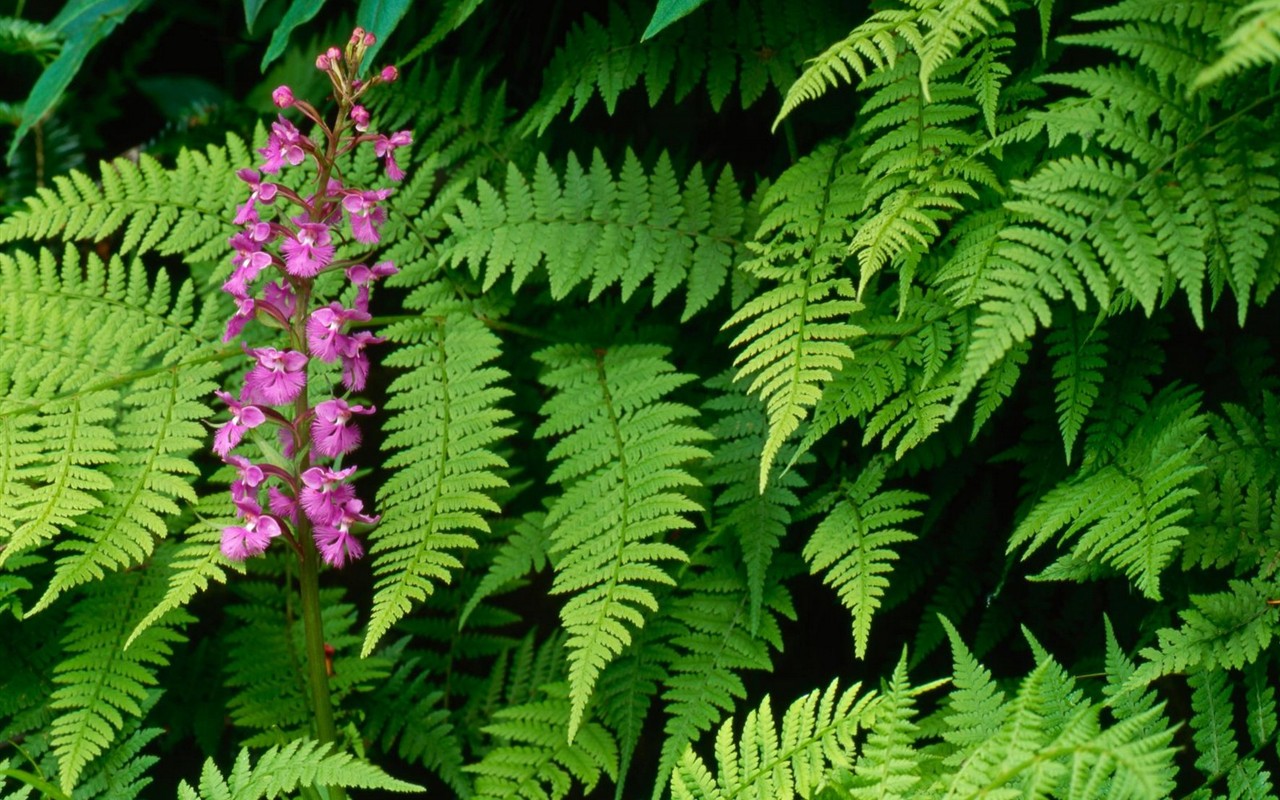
[(292, 238)]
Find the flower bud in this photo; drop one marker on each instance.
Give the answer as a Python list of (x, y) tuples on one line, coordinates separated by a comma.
[(322, 62), (282, 96), (369, 39), (390, 73), (334, 54), (356, 36)]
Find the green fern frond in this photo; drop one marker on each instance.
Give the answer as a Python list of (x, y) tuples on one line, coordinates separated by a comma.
[(1175, 40), (25, 37), (887, 766), (870, 47), (1127, 512), (796, 333), (1254, 42), (121, 772), (448, 422), (536, 758), (817, 733), (407, 714), (949, 26), (758, 521), (621, 448), (754, 44), (186, 210), (1228, 629), (98, 432), (1079, 354), (100, 683), (281, 769), (596, 229), (1212, 715), (195, 563), (713, 642), (853, 544)]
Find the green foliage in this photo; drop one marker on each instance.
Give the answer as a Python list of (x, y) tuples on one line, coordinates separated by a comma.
[(598, 230), (1255, 42), (431, 504), (621, 449), (300, 763), (981, 343), (852, 544)]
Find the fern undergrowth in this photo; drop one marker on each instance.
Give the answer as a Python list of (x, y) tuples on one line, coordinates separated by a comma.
[(817, 400)]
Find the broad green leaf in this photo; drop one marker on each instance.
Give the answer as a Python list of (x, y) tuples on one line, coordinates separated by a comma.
[(379, 17), (667, 12), (251, 9), (300, 12), (84, 23)]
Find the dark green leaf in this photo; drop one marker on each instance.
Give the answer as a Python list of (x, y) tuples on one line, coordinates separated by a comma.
[(251, 9), (667, 12), (84, 23), (299, 12), (379, 17)]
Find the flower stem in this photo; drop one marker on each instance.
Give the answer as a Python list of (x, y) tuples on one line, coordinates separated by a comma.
[(313, 627)]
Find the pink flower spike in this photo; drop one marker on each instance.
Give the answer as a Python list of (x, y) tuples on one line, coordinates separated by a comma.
[(389, 74), (278, 377), (259, 192), (243, 417), (365, 214), (360, 115), (323, 493), (251, 476), (332, 431), (280, 295), (282, 505), (384, 147), (324, 331), (284, 146), (336, 543), (282, 97), (308, 251), (361, 275), (250, 539), (355, 364), (244, 313)]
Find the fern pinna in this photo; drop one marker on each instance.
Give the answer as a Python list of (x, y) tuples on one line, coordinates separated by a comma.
[(815, 400)]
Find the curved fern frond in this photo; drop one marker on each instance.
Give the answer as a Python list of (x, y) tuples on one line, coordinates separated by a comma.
[(599, 230), (621, 449), (758, 521), (796, 333), (98, 431), (194, 563), (534, 759), (1254, 42), (281, 769), (100, 683), (870, 47), (713, 642), (448, 421), (853, 544), (1126, 512), (817, 733), (1079, 354), (1228, 629), (186, 210)]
